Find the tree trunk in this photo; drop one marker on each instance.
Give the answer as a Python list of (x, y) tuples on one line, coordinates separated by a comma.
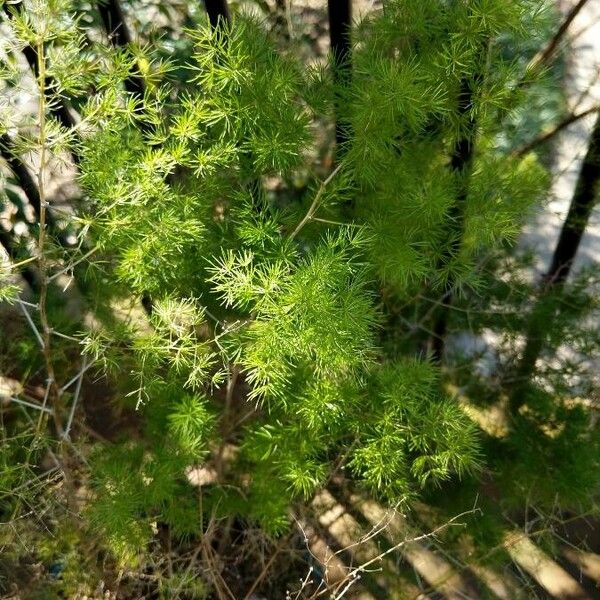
[(340, 25), (217, 11), (462, 158), (281, 18)]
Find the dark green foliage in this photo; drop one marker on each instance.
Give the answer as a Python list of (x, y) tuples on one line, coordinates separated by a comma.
[(552, 452)]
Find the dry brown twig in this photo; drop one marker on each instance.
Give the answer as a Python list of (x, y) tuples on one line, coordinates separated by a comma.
[(339, 589), (551, 133)]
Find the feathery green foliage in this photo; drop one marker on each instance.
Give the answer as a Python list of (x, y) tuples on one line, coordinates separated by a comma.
[(281, 344)]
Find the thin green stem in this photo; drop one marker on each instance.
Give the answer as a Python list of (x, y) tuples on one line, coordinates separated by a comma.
[(315, 203)]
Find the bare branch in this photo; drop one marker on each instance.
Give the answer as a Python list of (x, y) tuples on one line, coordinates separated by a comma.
[(548, 135), (31, 405), (542, 58), (35, 330), (75, 398)]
